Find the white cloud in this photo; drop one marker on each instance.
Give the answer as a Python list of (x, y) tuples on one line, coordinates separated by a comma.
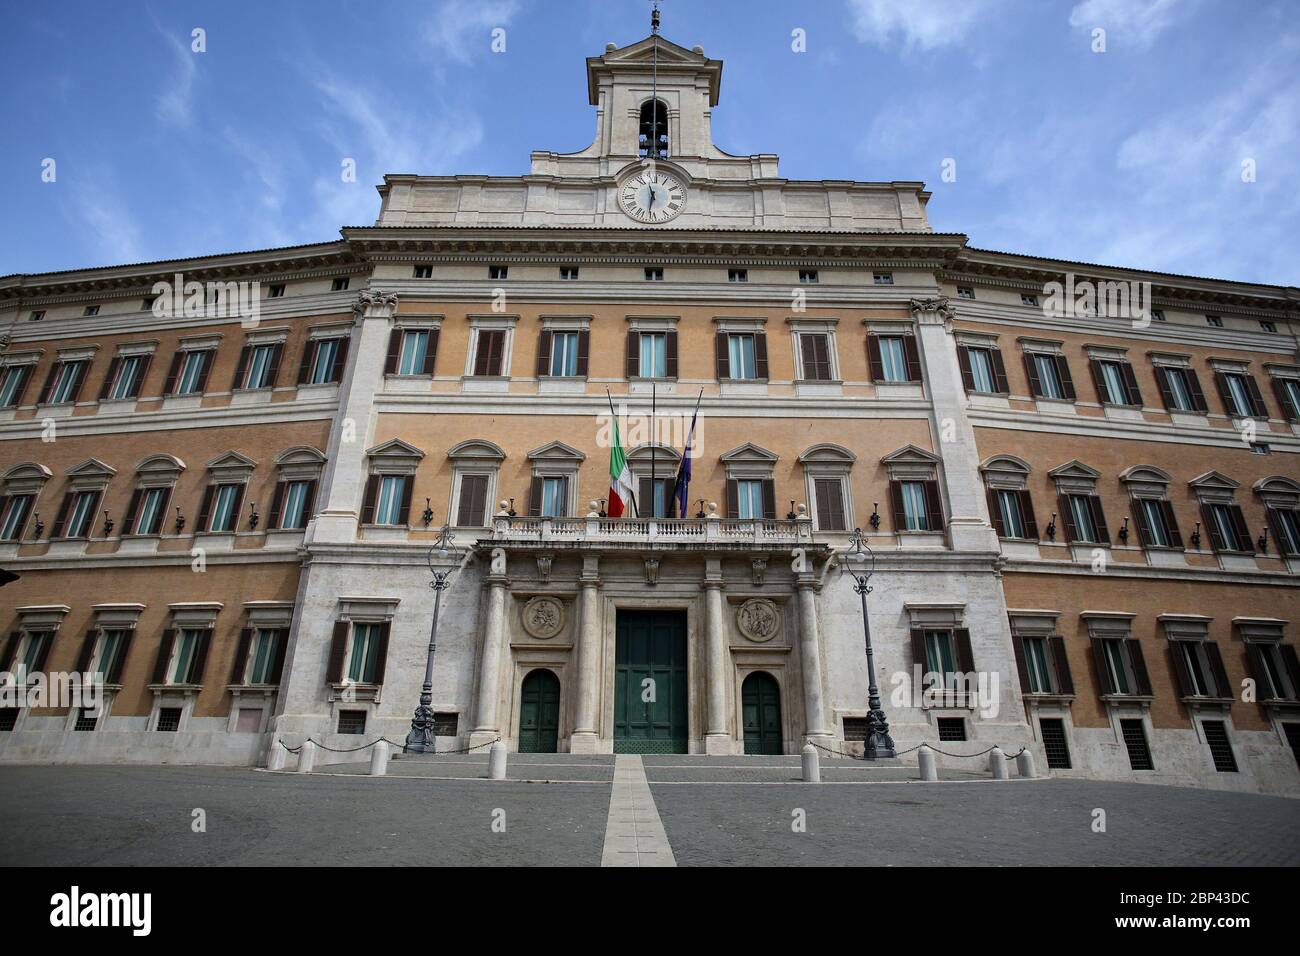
[(96, 212), (923, 24), (1137, 22), (460, 28), (176, 106)]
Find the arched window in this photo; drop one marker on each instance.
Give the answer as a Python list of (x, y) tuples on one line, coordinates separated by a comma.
[(653, 136)]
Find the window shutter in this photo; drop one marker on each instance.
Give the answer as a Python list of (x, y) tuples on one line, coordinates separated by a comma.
[(241, 655), (482, 346), (1139, 665), (1194, 389), (83, 369), (584, 351), (1060, 664), (472, 511), (392, 361), (1067, 382), (408, 489), (235, 507), (722, 355), (967, 376), (1271, 515), (1022, 666), (48, 387), (1103, 672), (632, 355), (496, 353), (1067, 518), (281, 648), (1292, 663), (113, 366), (132, 509), (896, 505), (1225, 396), (205, 508), (340, 360), (1166, 393), (544, 352), (91, 512), (11, 650), (1099, 381), (933, 506), (913, 358), (431, 352), (1140, 520), (875, 366), (240, 367), (1035, 384), (1176, 654), (1257, 406), (830, 504), (644, 494), (1289, 411), (62, 517), (535, 490), (277, 503), (733, 498), (1244, 541), (309, 502), (273, 366), (670, 353), (995, 514), (1027, 513), (199, 663), (808, 356), (1171, 524), (1134, 394), (164, 656), (918, 648), (1210, 525), (769, 498), (999, 371), (87, 649), (1099, 519), (381, 653), (338, 646), (368, 500), (1258, 670), (965, 657), (209, 356), (24, 373), (304, 366), (114, 676), (1222, 688)]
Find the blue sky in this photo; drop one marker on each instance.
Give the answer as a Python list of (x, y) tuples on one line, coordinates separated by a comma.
[(1133, 156)]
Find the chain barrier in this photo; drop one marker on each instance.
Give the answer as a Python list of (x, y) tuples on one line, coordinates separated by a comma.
[(401, 747), (900, 753)]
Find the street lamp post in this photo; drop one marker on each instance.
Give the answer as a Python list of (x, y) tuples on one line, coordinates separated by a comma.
[(861, 562), (420, 740)]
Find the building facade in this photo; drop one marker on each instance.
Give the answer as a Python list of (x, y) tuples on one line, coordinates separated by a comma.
[(224, 478)]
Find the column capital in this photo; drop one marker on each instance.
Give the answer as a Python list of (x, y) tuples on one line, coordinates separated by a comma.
[(373, 304), (932, 311)]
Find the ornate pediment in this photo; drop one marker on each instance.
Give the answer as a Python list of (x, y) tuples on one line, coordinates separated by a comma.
[(556, 451)]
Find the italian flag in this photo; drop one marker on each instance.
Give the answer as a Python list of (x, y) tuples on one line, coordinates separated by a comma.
[(620, 479)]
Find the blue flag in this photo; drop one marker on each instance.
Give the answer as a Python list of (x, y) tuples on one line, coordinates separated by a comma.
[(682, 482)]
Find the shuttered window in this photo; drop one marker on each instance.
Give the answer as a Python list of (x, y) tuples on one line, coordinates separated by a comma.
[(814, 351), (388, 506), (81, 514), (749, 498), (564, 354), (981, 370), (488, 352), (364, 657), (913, 493), (1040, 676), (263, 655), (740, 354), (472, 509), (13, 381), (415, 346), (653, 355), (294, 508), (13, 516), (830, 504)]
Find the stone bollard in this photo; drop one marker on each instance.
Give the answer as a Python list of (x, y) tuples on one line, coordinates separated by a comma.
[(275, 757), (379, 759), (307, 757), (812, 766), (1025, 764), (998, 763), (925, 761), (497, 761)]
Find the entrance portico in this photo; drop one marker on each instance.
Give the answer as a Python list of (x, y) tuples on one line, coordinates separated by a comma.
[(651, 626)]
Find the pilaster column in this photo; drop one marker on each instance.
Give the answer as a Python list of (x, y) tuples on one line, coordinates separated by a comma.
[(586, 732), (969, 528), (343, 480), (810, 664), (716, 738), (486, 727)]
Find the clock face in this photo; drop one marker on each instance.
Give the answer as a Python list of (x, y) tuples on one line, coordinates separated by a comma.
[(652, 196)]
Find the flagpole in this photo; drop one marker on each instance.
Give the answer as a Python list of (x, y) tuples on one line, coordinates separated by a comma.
[(654, 440)]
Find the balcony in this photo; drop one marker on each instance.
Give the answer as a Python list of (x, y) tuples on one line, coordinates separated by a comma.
[(712, 531)]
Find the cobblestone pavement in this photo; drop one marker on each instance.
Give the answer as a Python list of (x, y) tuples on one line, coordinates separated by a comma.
[(729, 812)]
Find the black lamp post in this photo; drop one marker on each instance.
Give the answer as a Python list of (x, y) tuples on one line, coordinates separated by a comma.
[(861, 562), (420, 739)]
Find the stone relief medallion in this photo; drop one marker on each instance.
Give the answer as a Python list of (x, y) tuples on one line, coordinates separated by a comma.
[(758, 619), (543, 617)]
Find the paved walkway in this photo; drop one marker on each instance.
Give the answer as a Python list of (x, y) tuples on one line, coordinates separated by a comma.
[(634, 834)]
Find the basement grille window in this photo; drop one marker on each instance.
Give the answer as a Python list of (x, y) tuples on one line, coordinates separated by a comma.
[(1216, 735), (855, 728), (1054, 742), (340, 285), (86, 719), (445, 725), (352, 721), (9, 719), (1135, 739), (654, 274), (951, 729), (169, 719), (424, 272), (1292, 732)]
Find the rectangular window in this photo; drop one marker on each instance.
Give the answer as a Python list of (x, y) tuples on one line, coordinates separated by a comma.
[(1197, 671), (1268, 326), (654, 355), (1290, 388), (1030, 300), (1054, 742), (224, 517), (1116, 659), (1081, 512), (423, 272), (1040, 676), (569, 273), (555, 497), (740, 353), (388, 506), (65, 382), (965, 292), (184, 655), (87, 719), (1048, 377), (654, 274), (981, 370), (815, 351), (737, 275), (830, 504), (111, 643), (446, 725), (340, 285), (363, 661), (749, 498), (262, 661), (36, 315), (855, 728), (882, 278), (939, 657), (169, 719), (1158, 315), (322, 368), (893, 358), (1224, 531), (91, 310), (1013, 521), (1214, 322), (564, 353), (1153, 515), (951, 729), (1112, 380), (352, 722), (127, 382), (191, 372), (259, 367), (1179, 391), (1216, 736), (149, 518), (81, 514), (489, 351), (34, 650), (472, 511), (275, 291), (11, 382), (808, 276), (415, 346), (1286, 524), (13, 518), (1135, 742), (1271, 671), (1239, 403), (498, 272), (914, 512), (293, 510)]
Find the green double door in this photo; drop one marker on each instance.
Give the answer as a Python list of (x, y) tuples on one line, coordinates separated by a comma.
[(539, 713), (760, 708), (650, 690)]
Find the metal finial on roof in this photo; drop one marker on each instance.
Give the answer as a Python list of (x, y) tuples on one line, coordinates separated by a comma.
[(654, 18)]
